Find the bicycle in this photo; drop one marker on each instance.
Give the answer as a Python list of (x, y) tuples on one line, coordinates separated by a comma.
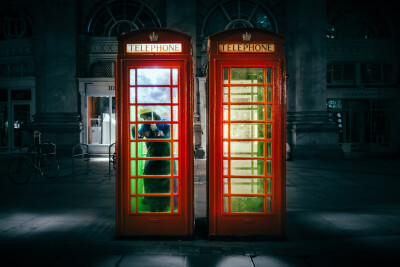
[(43, 160)]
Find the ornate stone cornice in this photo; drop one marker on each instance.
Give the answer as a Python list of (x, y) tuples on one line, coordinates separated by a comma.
[(102, 45)]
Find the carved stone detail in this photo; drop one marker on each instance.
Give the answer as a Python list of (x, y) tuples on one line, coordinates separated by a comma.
[(16, 48), (102, 46)]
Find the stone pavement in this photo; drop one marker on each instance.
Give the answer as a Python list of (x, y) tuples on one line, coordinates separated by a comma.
[(339, 213)]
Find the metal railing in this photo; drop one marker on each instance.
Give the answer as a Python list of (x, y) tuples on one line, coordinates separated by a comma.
[(111, 159), (80, 151)]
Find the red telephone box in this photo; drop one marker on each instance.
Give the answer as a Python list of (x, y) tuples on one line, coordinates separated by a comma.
[(154, 147), (247, 120)]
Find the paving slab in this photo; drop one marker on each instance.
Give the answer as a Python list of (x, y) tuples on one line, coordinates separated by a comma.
[(279, 261), (342, 213), (219, 261), (92, 260), (152, 261)]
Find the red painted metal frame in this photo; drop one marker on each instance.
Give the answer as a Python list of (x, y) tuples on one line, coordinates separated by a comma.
[(155, 224), (246, 224)]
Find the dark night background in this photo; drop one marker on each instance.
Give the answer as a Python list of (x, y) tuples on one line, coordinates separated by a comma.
[(57, 75)]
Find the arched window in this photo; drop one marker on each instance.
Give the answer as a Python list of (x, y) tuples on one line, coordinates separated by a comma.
[(230, 14), (238, 14), (117, 17), (346, 20)]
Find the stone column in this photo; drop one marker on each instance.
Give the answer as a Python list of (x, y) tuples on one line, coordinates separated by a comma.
[(202, 149), (181, 16), (311, 135), (56, 86)]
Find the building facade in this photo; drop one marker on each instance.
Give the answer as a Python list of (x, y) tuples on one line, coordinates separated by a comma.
[(57, 69)]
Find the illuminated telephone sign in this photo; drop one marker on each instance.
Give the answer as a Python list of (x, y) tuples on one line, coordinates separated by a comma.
[(247, 144), (154, 48), (246, 47), (154, 170)]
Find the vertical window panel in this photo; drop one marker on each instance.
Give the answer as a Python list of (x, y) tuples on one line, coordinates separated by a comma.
[(174, 76), (225, 112), (225, 167), (176, 150), (226, 186), (133, 167), (176, 204), (269, 167), (133, 186), (226, 96), (226, 204), (226, 73), (133, 204), (176, 131), (175, 95), (133, 131), (176, 185), (269, 149), (175, 113), (132, 97), (225, 130), (133, 113), (225, 148), (269, 130), (269, 93), (133, 149), (269, 113), (176, 165), (269, 204), (268, 75), (132, 78)]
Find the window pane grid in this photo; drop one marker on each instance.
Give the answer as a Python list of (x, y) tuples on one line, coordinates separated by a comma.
[(166, 198), (250, 163)]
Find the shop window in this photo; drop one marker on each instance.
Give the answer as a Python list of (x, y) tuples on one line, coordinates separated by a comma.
[(101, 120)]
